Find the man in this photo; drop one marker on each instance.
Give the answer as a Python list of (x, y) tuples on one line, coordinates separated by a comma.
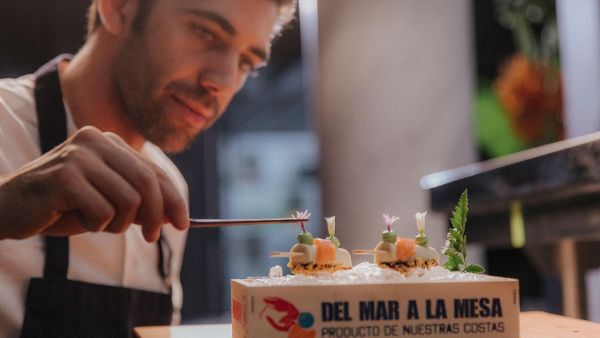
[(152, 74)]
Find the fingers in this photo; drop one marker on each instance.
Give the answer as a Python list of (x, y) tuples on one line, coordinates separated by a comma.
[(142, 177), (68, 224), (78, 194), (122, 196), (104, 185), (175, 207), (159, 199), (176, 211), (92, 182)]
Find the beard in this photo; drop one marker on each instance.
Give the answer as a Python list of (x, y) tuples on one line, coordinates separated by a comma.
[(146, 98)]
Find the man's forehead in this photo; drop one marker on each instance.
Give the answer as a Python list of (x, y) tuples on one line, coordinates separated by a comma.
[(239, 8), (249, 16)]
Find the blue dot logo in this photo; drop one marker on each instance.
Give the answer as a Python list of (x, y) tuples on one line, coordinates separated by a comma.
[(306, 320)]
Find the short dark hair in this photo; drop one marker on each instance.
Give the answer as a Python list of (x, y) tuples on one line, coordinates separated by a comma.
[(287, 11)]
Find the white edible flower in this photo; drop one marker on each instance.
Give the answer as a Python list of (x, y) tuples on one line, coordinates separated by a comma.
[(301, 215), (389, 220), (330, 225), (420, 216)]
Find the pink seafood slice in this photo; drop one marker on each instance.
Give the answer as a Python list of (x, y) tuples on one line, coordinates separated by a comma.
[(405, 249), (325, 251)]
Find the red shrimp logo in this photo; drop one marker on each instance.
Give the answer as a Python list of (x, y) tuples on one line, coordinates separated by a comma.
[(296, 324)]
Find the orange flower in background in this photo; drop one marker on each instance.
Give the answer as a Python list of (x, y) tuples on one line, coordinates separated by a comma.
[(530, 93)]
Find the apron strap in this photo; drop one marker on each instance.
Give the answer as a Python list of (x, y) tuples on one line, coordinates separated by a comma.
[(52, 121), (164, 260), (52, 131)]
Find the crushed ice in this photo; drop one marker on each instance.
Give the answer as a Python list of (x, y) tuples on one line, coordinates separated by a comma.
[(368, 273), (275, 272)]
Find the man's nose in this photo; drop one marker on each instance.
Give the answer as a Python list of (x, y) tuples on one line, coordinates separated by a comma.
[(220, 73)]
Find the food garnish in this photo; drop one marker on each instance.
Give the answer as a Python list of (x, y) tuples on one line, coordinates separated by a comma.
[(456, 242), (311, 255), (304, 237), (331, 230), (421, 238), (389, 236)]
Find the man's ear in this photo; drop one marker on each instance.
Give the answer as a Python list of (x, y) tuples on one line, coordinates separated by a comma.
[(117, 15)]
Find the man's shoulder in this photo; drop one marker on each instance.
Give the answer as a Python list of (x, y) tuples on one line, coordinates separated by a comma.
[(19, 140), (20, 88), (16, 96)]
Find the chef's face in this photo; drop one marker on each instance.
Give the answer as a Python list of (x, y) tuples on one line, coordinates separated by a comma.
[(176, 75)]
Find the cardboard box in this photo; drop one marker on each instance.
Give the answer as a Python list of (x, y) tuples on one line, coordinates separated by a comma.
[(487, 308)]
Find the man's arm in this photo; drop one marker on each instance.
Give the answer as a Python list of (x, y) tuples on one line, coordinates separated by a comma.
[(92, 182)]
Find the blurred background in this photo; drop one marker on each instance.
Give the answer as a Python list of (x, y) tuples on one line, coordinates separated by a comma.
[(360, 101)]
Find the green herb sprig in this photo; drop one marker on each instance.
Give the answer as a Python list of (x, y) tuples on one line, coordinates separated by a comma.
[(456, 243)]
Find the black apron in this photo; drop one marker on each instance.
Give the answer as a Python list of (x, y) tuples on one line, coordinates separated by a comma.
[(58, 307)]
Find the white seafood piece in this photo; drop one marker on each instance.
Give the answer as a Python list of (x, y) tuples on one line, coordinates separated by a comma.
[(388, 253), (388, 256), (342, 257), (308, 253), (426, 253)]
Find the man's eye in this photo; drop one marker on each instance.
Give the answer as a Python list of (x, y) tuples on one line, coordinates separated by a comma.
[(249, 68), (204, 34)]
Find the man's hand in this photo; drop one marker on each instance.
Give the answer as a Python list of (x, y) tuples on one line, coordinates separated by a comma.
[(92, 182)]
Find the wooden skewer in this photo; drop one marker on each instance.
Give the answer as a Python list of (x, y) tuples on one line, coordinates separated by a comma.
[(285, 254), (368, 252)]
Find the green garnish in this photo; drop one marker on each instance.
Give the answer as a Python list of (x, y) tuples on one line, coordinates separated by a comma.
[(389, 237), (421, 239), (334, 240), (305, 237), (456, 243)]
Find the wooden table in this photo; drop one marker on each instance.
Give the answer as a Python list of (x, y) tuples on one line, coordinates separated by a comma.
[(533, 325), (541, 324)]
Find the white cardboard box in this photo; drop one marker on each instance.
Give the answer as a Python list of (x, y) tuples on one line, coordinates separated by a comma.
[(412, 309)]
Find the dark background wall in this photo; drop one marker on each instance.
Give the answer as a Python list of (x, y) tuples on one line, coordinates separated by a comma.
[(32, 32)]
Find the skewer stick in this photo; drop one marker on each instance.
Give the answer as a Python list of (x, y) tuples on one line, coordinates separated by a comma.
[(285, 254), (368, 252)]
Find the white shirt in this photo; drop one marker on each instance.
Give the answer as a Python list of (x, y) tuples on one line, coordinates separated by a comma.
[(102, 258)]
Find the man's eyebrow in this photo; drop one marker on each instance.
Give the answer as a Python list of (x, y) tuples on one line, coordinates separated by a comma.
[(226, 26), (214, 17)]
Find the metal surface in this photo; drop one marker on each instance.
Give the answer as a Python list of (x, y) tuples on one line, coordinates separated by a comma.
[(558, 186), (555, 172)]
